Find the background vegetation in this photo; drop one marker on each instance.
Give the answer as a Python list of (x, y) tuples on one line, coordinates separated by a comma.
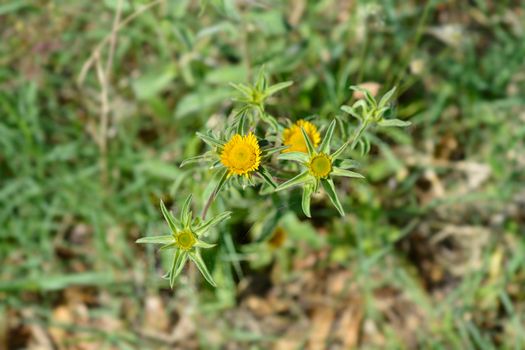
[(100, 102)]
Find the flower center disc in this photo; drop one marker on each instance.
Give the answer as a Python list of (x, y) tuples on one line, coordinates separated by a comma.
[(320, 165), (185, 240), (242, 156)]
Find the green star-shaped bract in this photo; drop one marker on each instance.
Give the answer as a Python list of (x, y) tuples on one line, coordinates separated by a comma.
[(185, 239), (319, 169)]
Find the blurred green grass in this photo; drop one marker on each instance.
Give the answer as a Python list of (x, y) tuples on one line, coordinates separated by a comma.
[(70, 210)]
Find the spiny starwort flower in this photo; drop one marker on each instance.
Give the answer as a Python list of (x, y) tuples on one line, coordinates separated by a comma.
[(319, 168), (241, 155), (185, 239), (254, 97), (373, 112), (238, 157), (293, 137)]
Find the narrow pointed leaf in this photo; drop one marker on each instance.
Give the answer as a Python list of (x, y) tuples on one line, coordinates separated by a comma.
[(340, 150), (243, 89), (361, 104), (270, 223), (394, 122), (205, 245), (212, 141), (328, 185), (269, 119), (169, 246), (185, 214), (346, 173), (386, 97), (352, 112), (277, 87), (325, 145), (302, 177), (307, 195), (172, 223), (241, 123), (216, 220), (367, 94), (316, 185), (156, 240), (294, 156), (309, 146), (341, 124), (179, 261), (195, 159), (269, 151), (267, 177), (261, 81), (222, 180), (197, 259), (349, 164)]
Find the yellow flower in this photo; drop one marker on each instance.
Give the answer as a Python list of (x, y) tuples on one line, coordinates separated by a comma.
[(320, 166), (293, 137), (241, 155)]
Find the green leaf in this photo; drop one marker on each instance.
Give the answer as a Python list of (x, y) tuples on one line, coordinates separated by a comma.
[(328, 185), (305, 203), (349, 164), (220, 184), (269, 151), (212, 141), (196, 159), (277, 87), (169, 246), (294, 156), (202, 244), (185, 213), (386, 97), (172, 222), (197, 259), (243, 89), (367, 94), (393, 122), (346, 173), (325, 144), (303, 177), (179, 260), (340, 150), (309, 146), (226, 74), (267, 177), (216, 220), (352, 112), (201, 100), (270, 223), (241, 123), (261, 82), (167, 239), (269, 119), (153, 82)]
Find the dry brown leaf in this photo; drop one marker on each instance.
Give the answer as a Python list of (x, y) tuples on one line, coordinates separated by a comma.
[(155, 318), (322, 319), (62, 315), (349, 326)]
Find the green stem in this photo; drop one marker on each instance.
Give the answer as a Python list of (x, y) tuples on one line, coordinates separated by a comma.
[(358, 133)]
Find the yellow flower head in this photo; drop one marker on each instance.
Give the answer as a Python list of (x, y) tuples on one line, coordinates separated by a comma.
[(320, 165), (293, 137), (241, 155)]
